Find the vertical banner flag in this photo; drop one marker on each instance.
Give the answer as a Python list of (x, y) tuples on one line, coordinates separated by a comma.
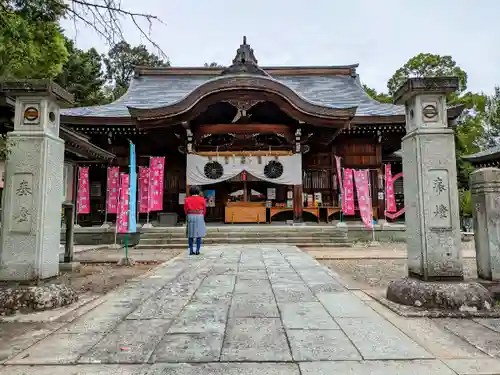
[(132, 225), (348, 196), (83, 203), (390, 198), (361, 178), (156, 173), (113, 186), (123, 206), (143, 190)]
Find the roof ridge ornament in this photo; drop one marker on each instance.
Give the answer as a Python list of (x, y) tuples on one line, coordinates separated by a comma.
[(244, 62)]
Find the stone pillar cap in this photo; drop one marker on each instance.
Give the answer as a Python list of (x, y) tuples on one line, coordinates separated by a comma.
[(32, 87), (490, 174), (430, 85)]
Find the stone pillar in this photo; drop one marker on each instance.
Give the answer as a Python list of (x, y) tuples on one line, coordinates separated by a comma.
[(430, 184), (33, 194), (485, 189)]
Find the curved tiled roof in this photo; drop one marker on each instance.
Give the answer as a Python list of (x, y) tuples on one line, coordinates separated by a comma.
[(489, 154), (153, 91)]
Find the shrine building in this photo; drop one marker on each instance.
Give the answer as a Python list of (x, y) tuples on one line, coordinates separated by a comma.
[(260, 141)]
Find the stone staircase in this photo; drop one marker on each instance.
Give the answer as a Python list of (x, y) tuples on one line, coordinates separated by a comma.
[(303, 236)]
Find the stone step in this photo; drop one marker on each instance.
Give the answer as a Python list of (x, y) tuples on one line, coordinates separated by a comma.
[(184, 245), (249, 234), (219, 240)]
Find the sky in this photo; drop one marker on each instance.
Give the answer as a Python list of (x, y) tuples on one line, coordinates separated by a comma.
[(380, 35)]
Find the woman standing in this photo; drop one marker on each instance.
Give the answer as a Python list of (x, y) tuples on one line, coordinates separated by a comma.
[(195, 208)]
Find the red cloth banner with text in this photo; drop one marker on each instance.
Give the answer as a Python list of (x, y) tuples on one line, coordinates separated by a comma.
[(123, 204), (83, 201), (361, 178), (348, 196), (143, 190), (390, 198), (156, 174), (113, 187)]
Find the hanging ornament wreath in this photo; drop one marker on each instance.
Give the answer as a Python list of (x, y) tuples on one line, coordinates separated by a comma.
[(213, 170), (273, 169)]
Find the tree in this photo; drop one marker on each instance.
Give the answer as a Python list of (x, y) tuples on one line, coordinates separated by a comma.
[(120, 63), (427, 65), (213, 65), (491, 119), (105, 17), (381, 97), (29, 47), (82, 76)]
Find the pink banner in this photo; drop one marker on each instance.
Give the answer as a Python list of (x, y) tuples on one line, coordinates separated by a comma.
[(156, 173), (83, 201), (113, 186), (390, 198), (122, 219), (348, 196), (143, 190), (361, 178)]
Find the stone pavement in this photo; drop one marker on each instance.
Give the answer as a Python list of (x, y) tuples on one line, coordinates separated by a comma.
[(245, 310)]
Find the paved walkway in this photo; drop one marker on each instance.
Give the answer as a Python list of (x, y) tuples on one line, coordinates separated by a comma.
[(249, 310)]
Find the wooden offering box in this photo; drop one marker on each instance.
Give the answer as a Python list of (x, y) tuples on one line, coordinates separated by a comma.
[(245, 212)]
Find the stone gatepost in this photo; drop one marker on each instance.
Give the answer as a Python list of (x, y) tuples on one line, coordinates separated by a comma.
[(33, 194), (430, 184), (431, 199), (485, 189)]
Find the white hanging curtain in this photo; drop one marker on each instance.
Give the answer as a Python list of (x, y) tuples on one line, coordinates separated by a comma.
[(234, 165)]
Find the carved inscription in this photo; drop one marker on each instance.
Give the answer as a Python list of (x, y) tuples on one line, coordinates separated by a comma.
[(438, 199), (22, 203)]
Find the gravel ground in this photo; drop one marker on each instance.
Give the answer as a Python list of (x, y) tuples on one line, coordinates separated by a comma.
[(378, 273)]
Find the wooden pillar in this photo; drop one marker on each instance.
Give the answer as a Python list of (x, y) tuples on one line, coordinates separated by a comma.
[(298, 204), (187, 190)]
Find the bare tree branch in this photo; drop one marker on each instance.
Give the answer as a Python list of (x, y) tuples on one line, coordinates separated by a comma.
[(105, 17)]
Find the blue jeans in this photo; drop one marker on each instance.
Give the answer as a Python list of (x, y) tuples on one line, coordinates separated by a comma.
[(191, 243)]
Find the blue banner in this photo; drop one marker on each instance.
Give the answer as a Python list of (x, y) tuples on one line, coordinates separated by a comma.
[(132, 224)]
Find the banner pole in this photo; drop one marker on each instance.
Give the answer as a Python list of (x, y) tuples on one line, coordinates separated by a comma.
[(149, 190), (118, 211), (105, 224), (77, 197)]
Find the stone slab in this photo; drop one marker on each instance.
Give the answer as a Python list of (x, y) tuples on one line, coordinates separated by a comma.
[(483, 366), (226, 369), (475, 334), (200, 318), (75, 369), (252, 274), (255, 339), (161, 306), (133, 341), (293, 293), (250, 286), (254, 306), (306, 315), (321, 345), (345, 304), (102, 319), (376, 338), (419, 367), (57, 349), (208, 295), (189, 347)]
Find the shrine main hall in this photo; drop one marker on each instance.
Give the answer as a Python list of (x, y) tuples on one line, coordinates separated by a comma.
[(264, 143)]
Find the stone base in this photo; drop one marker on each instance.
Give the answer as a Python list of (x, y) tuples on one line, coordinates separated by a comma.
[(69, 267), (35, 298), (459, 296), (128, 262), (147, 226)]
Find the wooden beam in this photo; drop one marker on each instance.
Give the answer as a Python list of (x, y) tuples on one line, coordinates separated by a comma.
[(244, 153), (244, 128)]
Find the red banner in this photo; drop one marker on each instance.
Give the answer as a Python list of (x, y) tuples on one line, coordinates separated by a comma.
[(143, 190), (390, 198), (348, 196), (123, 205), (156, 174), (83, 202), (361, 178), (113, 187)]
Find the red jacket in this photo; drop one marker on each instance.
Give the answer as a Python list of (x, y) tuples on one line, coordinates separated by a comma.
[(195, 203)]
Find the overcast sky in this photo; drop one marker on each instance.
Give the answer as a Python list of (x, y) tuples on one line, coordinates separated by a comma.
[(380, 35)]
